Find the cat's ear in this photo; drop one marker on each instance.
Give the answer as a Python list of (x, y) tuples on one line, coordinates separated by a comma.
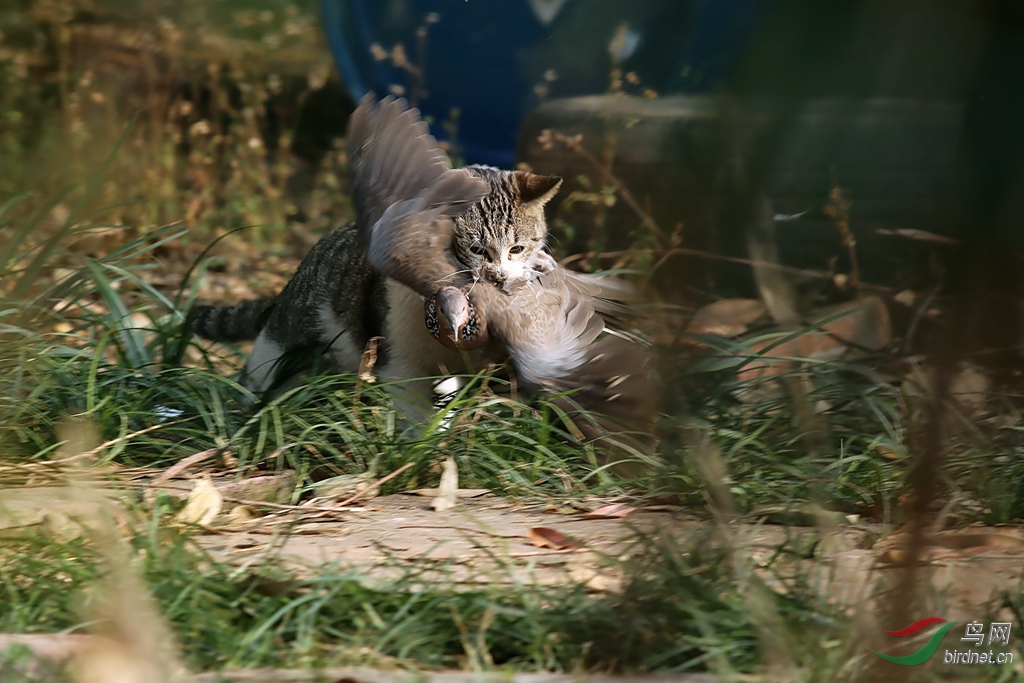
[(536, 190)]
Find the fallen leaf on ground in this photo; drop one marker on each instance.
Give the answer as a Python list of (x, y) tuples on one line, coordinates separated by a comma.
[(888, 453), (448, 489), (203, 506), (241, 514), (546, 537), (726, 318), (846, 330), (613, 511)]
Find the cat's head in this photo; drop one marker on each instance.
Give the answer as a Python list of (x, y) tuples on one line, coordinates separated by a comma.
[(498, 236)]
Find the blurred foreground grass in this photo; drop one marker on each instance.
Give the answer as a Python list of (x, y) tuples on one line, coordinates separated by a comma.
[(88, 217)]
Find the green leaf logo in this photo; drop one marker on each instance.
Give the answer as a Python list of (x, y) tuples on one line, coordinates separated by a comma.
[(928, 649)]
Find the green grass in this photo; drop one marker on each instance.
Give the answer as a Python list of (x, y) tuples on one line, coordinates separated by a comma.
[(683, 606), (833, 434), (265, 618), (677, 613)]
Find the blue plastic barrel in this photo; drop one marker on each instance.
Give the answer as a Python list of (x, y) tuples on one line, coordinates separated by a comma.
[(493, 61)]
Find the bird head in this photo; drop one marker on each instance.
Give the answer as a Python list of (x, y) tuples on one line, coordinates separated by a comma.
[(454, 308)]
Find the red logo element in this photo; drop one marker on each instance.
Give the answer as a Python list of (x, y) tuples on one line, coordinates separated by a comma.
[(919, 625)]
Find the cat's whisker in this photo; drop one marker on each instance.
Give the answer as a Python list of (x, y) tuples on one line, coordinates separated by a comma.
[(452, 276)]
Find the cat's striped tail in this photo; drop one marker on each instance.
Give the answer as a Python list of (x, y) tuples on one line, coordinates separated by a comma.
[(241, 322)]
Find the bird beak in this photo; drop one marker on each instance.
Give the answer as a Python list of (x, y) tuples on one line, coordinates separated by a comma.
[(453, 327)]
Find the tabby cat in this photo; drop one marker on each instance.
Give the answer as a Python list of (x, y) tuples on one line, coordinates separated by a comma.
[(335, 303)]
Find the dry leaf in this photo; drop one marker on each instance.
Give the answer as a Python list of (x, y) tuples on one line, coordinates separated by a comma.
[(851, 329), (907, 298), (203, 506), (613, 511), (241, 514), (726, 318), (545, 537), (472, 493), (448, 489), (368, 360), (888, 453)]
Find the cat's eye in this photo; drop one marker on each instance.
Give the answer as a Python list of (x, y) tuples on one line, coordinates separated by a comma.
[(478, 249), (518, 249)]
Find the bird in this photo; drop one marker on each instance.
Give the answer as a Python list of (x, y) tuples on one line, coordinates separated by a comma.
[(452, 320), (552, 326)]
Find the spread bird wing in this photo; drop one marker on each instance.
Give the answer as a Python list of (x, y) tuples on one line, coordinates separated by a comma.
[(611, 297), (546, 325), (614, 389), (559, 343), (405, 194)]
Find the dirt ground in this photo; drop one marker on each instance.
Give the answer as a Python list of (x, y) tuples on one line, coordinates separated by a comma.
[(487, 540)]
